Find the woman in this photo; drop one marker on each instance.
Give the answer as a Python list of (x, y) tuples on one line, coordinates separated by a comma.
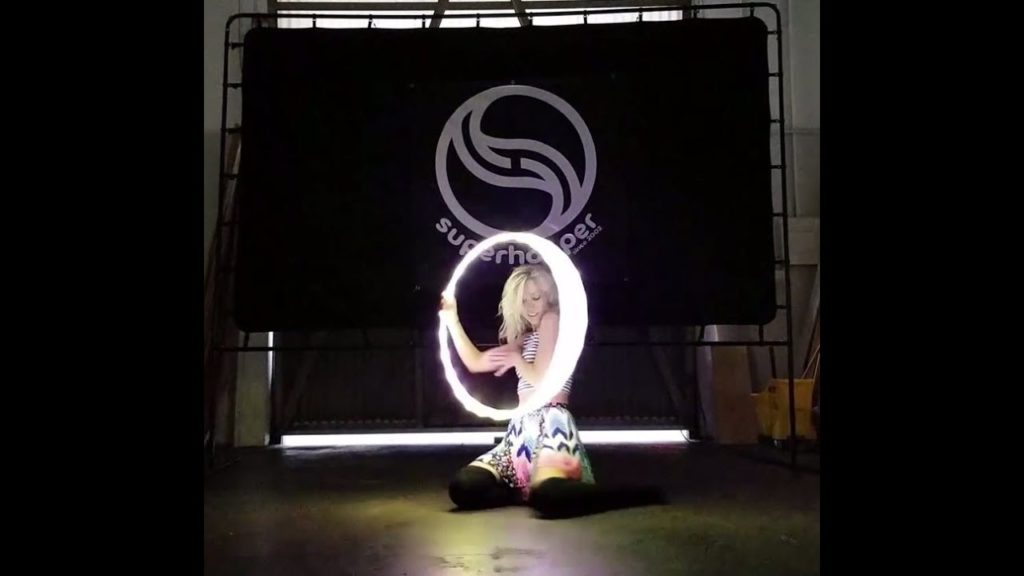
[(541, 460)]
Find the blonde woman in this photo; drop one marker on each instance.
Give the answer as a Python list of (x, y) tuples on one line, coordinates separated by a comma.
[(541, 460)]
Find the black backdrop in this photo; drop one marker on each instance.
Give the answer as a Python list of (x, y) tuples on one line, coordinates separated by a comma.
[(351, 139)]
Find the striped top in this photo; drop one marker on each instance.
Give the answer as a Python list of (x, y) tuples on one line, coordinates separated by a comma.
[(530, 344)]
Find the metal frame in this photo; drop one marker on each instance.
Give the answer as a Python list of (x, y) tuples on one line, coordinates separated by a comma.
[(520, 9)]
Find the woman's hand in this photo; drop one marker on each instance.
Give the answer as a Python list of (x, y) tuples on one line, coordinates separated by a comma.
[(494, 359), (448, 310), (505, 357)]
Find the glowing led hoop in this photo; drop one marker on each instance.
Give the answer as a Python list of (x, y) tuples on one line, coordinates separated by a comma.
[(572, 325)]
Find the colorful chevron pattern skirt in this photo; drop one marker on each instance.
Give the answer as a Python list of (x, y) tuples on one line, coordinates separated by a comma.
[(546, 437)]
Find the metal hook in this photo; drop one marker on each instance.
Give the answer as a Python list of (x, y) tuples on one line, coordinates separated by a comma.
[(369, 24), (477, 20)]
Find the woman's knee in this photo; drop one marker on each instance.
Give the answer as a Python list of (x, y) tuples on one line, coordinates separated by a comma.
[(475, 487), (555, 464)]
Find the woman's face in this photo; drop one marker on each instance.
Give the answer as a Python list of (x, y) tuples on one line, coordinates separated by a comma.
[(535, 301)]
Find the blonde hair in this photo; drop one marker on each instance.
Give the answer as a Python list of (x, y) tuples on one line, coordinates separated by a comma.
[(513, 322)]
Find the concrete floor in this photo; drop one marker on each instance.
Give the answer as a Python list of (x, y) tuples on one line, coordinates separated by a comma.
[(386, 511)]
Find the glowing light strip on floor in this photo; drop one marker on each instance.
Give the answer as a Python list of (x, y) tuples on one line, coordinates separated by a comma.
[(668, 436)]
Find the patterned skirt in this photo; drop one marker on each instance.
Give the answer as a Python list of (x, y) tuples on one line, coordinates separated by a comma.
[(544, 438)]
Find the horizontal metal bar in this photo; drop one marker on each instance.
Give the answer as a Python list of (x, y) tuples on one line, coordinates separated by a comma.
[(695, 343), (234, 84), (235, 45), (630, 5), (409, 346), (233, 130), (495, 9), (426, 347), (777, 166), (401, 418), (354, 427), (775, 74), (230, 175), (778, 214)]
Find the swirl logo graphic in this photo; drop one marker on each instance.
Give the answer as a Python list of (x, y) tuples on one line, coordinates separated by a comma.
[(489, 149)]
